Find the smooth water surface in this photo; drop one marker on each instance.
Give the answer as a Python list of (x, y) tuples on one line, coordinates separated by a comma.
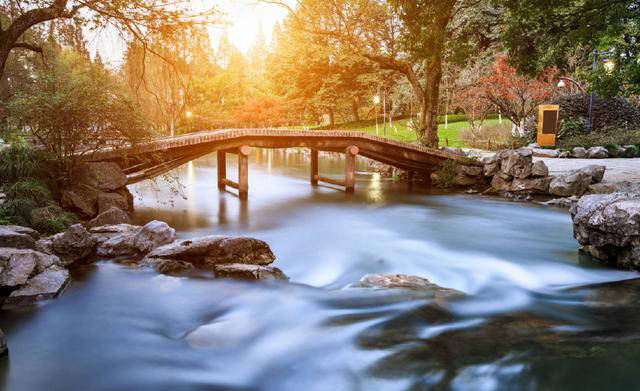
[(524, 325)]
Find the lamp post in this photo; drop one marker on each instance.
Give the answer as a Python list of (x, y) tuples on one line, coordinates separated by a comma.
[(376, 102), (609, 65)]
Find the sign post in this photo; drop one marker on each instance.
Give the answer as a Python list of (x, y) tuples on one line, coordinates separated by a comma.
[(548, 124)]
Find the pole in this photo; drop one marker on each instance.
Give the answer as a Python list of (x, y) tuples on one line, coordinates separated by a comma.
[(384, 111), (595, 66)]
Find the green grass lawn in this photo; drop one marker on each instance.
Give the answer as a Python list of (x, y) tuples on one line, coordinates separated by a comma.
[(399, 131)]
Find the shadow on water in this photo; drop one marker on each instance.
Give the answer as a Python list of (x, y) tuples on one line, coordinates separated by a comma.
[(527, 323)]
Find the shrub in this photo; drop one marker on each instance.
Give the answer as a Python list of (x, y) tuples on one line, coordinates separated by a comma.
[(632, 151), (20, 161), (492, 137), (30, 189), (571, 127), (51, 219), (17, 211), (445, 175)]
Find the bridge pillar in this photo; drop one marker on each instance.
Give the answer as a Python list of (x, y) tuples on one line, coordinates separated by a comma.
[(314, 166), (222, 170), (350, 168), (243, 171)]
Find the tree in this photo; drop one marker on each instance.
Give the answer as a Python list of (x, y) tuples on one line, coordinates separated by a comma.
[(516, 96), (75, 108), (133, 18), (403, 35)]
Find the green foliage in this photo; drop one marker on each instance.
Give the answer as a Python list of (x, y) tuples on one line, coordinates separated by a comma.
[(18, 211), (51, 219), (20, 161), (445, 175), (632, 151), (571, 127), (32, 190)]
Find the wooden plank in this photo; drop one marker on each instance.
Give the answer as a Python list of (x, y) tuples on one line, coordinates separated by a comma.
[(230, 183), (338, 182), (222, 169), (314, 166), (243, 171), (350, 168)]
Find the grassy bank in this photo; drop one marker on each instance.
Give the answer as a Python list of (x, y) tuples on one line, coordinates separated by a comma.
[(398, 130)]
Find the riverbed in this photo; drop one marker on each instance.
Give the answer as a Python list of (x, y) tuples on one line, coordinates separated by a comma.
[(523, 326)]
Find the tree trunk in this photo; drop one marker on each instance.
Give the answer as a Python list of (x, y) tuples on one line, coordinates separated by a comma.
[(354, 111), (428, 134), (331, 118)]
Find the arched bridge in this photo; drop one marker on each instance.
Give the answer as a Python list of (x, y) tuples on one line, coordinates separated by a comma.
[(155, 157)]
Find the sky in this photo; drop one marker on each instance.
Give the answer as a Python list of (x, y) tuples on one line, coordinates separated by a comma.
[(243, 21)]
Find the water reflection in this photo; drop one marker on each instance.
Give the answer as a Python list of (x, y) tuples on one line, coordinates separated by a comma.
[(524, 325)]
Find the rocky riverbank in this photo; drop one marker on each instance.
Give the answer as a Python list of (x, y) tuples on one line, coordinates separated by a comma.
[(33, 269)]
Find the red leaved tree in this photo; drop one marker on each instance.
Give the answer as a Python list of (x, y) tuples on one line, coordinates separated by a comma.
[(516, 96)]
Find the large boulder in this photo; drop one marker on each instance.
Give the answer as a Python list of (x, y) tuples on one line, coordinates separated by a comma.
[(608, 227), (114, 241), (242, 271), (532, 185), (597, 153), (579, 153), (107, 201), (400, 281), (518, 163), (111, 216), (213, 250), (596, 172), (75, 202), (540, 152), (23, 230), (570, 184), (17, 269), (103, 176), (500, 184), (73, 244), (152, 235), (43, 286), (539, 169), (16, 238)]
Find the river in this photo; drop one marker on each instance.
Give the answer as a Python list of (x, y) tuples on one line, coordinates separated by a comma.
[(523, 326)]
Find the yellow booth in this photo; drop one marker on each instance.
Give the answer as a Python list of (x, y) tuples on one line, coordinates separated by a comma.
[(548, 124)]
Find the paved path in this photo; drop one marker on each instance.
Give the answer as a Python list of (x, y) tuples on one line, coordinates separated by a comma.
[(618, 170)]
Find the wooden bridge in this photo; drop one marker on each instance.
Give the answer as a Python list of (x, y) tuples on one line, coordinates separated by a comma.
[(152, 158)]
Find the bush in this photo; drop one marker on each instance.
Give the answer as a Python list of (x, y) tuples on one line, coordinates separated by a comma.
[(51, 219), (594, 139), (632, 151), (571, 127), (30, 189), (445, 175), (493, 137), (20, 161)]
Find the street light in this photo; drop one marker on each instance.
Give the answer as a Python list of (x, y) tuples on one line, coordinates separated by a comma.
[(608, 65), (376, 99), (188, 114), (561, 84)]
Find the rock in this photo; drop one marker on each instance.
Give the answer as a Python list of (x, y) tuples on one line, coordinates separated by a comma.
[(517, 163), (107, 201), (570, 184), (465, 180), (552, 153), (45, 245), (470, 170), (15, 238), (563, 202), (399, 281), (115, 240), (42, 260), (23, 230), (73, 244), (78, 204), (154, 234), (3, 344), (455, 151), (617, 151), (608, 227), (597, 153), (103, 176), (491, 169), (539, 169), (213, 250), (504, 176), (564, 155), (596, 172), (500, 184), (112, 216), (249, 272), (579, 153), (43, 286), (532, 185), (127, 196), (17, 269), (603, 188), (170, 266), (533, 146)]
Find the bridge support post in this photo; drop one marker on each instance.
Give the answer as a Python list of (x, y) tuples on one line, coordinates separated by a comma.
[(350, 168), (243, 171), (222, 170), (314, 167)]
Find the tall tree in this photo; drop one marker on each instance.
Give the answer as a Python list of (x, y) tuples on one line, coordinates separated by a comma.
[(402, 36), (134, 19)]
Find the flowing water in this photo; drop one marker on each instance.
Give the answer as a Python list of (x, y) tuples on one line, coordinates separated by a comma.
[(527, 322)]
